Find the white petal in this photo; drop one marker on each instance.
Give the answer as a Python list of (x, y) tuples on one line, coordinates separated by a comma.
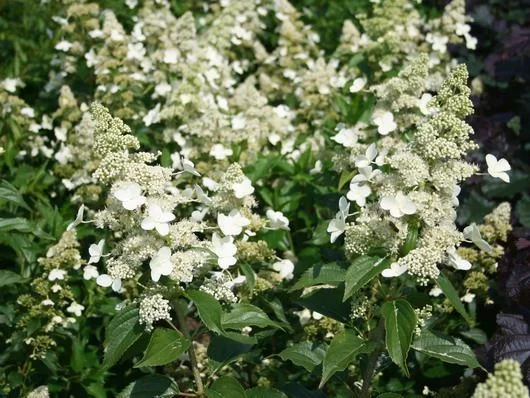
[(104, 280)]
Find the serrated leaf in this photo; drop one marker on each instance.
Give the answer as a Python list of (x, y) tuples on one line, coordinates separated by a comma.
[(448, 349), (400, 321), (361, 271), (151, 386), (9, 277), (121, 333), (322, 274), (165, 346), (209, 310), (304, 354), (342, 350), (264, 392), (226, 387), (243, 314), (452, 295)]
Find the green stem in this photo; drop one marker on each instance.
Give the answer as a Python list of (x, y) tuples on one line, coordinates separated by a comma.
[(371, 364), (181, 319)]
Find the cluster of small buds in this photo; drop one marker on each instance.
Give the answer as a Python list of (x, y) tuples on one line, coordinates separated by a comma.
[(505, 381), (153, 308), (53, 301)]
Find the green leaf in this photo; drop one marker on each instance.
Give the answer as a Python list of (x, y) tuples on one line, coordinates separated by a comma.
[(165, 346), (223, 350), (400, 321), (304, 354), (151, 386), (16, 224), (243, 314), (343, 349), (450, 292), (9, 277), (209, 309), (475, 334), (226, 387), (523, 211), (10, 193), (322, 274), (328, 302), (448, 349), (362, 271), (249, 274), (389, 395), (121, 333), (264, 392), (411, 239), (346, 177)]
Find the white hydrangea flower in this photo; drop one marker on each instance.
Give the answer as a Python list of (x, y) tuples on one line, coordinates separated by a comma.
[(10, 84), (75, 308), (233, 223), (224, 249), (96, 251), (171, 56), (317, 168), (336, 227), (435, 291), (63, 45), (439, 42), (162, 89), (90, 272), (347, 137), (130, 196), (456, 261), (210, 184), (384, 120), (358, 193), (472, 233), (239, 122), (394, 270), (303, 316), (498, 168), (243, 188), (277, 220), (285, 268), (161, 263), (423, 104), (219, 152), (398, 205), (105, 280), (56, 274), (28, 112), (153, 116), (181, 163), (157, 219), (368, 157), (365, 174), (317, 316), (357, 85), (468, 298)]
